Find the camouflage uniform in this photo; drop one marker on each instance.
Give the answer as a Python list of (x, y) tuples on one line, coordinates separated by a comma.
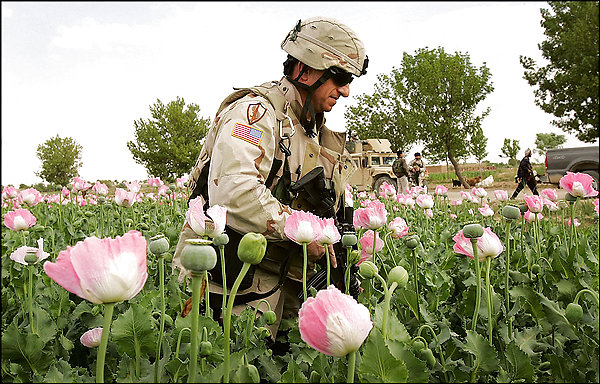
[(417, 174)]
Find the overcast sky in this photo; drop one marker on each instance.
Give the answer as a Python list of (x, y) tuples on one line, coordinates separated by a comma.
[(88, 70)]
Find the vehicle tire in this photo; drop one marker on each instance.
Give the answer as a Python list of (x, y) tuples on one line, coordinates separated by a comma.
[(594, 175), (383, 179)]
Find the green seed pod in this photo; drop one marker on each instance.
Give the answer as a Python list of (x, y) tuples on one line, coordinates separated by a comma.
[(168, 320), (315, 377), (536, 269), (31, 257), (101, 199), (418, 345), (399, 275), (354, 257), (159, 244), (116, 214), (412, 242), (172, 187), (198, 258), (222, 239), (205, 348), (544, 366), (143, 226), (349, 239), (11, 301), (252, 248), (270, 317), (472, 231), (511, 212), (574, 313), (89, 214), (427, 355), (367, 269), (247, 373)]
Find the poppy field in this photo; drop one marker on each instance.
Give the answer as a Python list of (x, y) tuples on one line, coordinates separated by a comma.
[(477, 289)]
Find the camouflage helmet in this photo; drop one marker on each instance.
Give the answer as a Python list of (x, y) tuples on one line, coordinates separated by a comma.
[(322, 43)]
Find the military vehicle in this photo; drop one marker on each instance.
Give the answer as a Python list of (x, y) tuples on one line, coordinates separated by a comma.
[(373, 159)]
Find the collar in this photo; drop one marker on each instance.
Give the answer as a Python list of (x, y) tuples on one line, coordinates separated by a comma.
[(293, 97)]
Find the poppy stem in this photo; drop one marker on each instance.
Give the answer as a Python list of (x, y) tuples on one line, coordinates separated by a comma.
[(196, 285), (351, 365), (304, 265), (108, 313), (478, 280)]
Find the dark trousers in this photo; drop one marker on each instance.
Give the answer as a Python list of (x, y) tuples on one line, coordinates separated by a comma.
[(531, 183)]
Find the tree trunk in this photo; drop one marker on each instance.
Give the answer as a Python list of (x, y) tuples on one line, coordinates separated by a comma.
[(457, 170)]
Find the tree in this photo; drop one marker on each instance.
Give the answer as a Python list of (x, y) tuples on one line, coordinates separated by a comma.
[(568, 86), (168, 144), (510, 150), (431, 99), (61, 160), (479, 145), (546, 141)]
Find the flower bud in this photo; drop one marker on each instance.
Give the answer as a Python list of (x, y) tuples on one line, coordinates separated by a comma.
[(205, 348), (418, 345), (172, 187), (263, 332), (252, 248), (220, 240), (89, 213), (270, 317), (159, 244), (349, 239), (247, 373), (536, 269), (399, 275), (315, 377), (354, 257), (101, 199), (367, 269), (511, 212), (427, 354), (574, 312), (197, 256), (472, 230), (412, 241)]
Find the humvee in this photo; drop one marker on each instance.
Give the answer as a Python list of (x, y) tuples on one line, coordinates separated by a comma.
[(373, 159)]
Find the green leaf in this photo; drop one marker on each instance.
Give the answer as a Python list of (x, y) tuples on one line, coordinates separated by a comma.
[(397, 330), (378, 363), (25, 348), (293, 374), (60, 372), (520, 362), (527, 340), (556, 316), (417, 369), (43, 324), (531, 297), (486, 359), (133, 330), (269, 367)]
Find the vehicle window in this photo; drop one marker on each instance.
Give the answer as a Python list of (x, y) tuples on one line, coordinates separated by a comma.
[(388, 160), (355, 163), (375, 160)]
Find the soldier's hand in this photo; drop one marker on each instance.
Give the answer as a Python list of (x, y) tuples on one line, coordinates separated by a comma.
[(315, 251)]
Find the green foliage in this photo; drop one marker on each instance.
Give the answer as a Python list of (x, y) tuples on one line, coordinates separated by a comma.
[(546, 141), (510, 149), (431, 99), (168, 143), (61, 160), (479, 145), (567, 87)]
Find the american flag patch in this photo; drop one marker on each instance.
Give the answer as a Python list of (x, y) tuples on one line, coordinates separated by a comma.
[(246, 133)]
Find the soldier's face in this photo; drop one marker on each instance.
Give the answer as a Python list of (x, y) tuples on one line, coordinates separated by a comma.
[(326, 96)]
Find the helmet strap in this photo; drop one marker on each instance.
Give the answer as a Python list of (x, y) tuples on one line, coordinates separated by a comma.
[(309, 125)]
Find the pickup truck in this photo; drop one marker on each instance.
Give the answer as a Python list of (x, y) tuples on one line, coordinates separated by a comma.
[(579, 159)]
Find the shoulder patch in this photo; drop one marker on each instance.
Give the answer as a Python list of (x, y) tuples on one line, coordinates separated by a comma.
[(246, 133), (255, 112)]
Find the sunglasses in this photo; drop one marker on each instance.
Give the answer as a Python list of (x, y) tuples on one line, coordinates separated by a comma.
[(340, 77)]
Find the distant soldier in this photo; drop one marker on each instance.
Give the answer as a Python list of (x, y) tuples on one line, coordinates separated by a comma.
[(400, 169), (525, 176), (417, 167), (268, 153)]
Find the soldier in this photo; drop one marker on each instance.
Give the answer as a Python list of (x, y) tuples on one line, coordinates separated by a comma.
[(525, 176), (417, 167), (268, 152), (400, 169)]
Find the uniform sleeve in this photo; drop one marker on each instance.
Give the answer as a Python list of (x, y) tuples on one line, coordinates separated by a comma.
[(241, 160)]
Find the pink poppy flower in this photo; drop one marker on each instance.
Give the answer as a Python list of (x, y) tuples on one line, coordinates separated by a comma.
[(373, 216), (387, 191), (100, 188), (471, 212), (91, 338), (330, 233), (334, 323), (479, 192), (102, 270), (425, 201), (549, 193), (80, 185), (124, 198), (212, 225), (577, 223), (162, 191), (501, 195), (398, 227), (428, 213), (452, 215), (302, 227), (134, 186), (534, 203), (486, 211), (19, 219), (440, 190), (530, 216), (9, 192), (65, 192), (19, 255), (369, 245), (488, 245), (362, 195), (552, 206), (348, 199), (464, 195), (456, 202), (155, 182), (578, 184), (180, 182), (31, 196)]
